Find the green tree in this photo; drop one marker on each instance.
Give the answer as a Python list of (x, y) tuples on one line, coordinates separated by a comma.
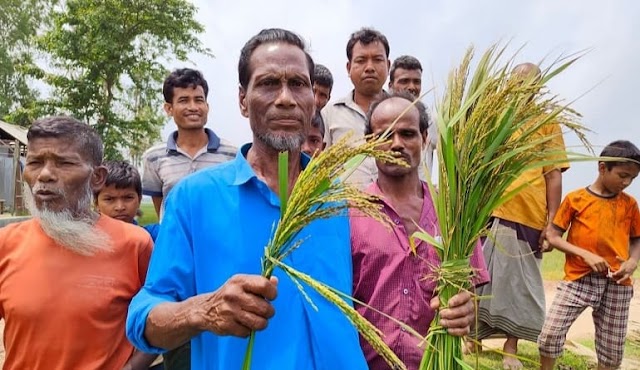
[(20, 21), (108, 57)]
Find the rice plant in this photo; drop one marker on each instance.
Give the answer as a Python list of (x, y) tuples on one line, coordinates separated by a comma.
[(489, 134)]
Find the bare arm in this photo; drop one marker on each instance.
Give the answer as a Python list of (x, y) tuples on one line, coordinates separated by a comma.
[(139, 361), (597, 263), (628, 267), (157, 204), (553, 181), (238, 307)]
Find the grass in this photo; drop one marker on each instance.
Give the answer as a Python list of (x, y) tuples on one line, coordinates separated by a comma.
[(148, 214), (491, 360), (631, 348)]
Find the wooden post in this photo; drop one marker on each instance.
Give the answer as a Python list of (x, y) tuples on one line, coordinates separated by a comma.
[(17, 176)]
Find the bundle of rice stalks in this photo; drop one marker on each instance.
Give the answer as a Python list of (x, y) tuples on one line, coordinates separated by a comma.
[(318, 193), (489, 134)]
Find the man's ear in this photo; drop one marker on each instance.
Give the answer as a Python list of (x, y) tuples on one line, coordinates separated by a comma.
[(98, 178), (349, 68), (242, 102), (425, 138), (168, 108)]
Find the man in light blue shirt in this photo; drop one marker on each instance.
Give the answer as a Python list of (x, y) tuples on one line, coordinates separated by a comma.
[(203, 282)]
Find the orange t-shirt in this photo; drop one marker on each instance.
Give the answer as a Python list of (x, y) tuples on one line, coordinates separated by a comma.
[(603, 226), (529, 206), (63, 310)]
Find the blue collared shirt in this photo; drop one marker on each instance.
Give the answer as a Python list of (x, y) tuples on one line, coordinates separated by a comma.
[(217, 223)]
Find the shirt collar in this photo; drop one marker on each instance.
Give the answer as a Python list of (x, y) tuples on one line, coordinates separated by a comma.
[(212, 145), (244, 172), (350, 102)]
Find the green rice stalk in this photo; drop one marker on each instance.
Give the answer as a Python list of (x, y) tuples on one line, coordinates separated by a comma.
[(489, 134)]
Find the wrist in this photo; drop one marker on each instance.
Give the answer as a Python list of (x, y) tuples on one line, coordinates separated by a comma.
[(193, 316)]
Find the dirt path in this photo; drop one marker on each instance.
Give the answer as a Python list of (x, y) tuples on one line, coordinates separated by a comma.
[(581, 329)]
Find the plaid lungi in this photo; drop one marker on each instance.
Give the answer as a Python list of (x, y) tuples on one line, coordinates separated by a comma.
[(610, 303)]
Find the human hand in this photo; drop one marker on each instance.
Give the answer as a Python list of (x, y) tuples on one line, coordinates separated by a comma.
[(543, 243), (627, 268), (457, 318), (597, 263), (239, 306)]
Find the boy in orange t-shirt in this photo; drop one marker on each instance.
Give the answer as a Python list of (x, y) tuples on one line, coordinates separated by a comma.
[(602, 251)]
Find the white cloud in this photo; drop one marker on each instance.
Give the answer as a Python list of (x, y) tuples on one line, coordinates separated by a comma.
[(438, 32)]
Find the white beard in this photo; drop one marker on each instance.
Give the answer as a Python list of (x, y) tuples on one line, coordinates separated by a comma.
[(73, 227), (283, 142)]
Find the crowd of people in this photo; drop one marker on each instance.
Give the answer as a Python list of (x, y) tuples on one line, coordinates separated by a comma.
[(83, 287)]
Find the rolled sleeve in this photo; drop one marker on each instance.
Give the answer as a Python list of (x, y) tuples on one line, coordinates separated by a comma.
[(139, 310)]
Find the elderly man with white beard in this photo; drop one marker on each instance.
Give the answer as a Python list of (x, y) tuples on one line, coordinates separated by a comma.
[(68, 274)]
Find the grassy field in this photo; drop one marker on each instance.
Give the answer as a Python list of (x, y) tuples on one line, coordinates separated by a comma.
[(528, 353), (148, 214)]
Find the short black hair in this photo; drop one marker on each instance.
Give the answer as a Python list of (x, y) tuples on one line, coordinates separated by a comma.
[(318, 123), (269, 36), (183, 78), (123, 175), (422, 110), (405, 62), (322, 76), (79, 134), (620, 149), (366, 36)]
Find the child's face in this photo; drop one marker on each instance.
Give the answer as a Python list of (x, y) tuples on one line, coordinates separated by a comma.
[(618, 177), (121, 204), (313, 144)]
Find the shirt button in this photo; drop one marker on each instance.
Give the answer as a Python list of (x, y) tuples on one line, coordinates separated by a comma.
[(403, 329), (397, 222), (405, 291)]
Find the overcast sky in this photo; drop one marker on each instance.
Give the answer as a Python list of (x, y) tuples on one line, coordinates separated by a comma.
[(438, 33)]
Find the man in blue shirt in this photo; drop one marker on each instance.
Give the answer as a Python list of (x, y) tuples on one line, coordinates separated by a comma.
[(203, 282)]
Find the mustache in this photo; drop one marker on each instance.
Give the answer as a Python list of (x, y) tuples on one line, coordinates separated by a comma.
[(41, 187)]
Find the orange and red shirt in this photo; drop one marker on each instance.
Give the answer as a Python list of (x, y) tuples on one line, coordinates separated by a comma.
[(600, 225), (63, 310)]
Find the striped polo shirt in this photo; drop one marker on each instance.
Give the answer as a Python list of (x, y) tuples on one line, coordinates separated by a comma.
[(165, 164)]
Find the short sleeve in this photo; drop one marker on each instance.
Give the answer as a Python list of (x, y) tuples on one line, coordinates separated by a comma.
[(635, 220), (565, 214), (556, 149), (151, 182)]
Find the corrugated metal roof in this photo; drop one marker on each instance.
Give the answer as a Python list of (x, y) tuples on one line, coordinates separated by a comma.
[(14, 131)]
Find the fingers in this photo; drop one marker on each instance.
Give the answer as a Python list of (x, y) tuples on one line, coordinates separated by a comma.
[(457, 318), (435, 303), (241, 305), (622, 279), (260, 286)]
